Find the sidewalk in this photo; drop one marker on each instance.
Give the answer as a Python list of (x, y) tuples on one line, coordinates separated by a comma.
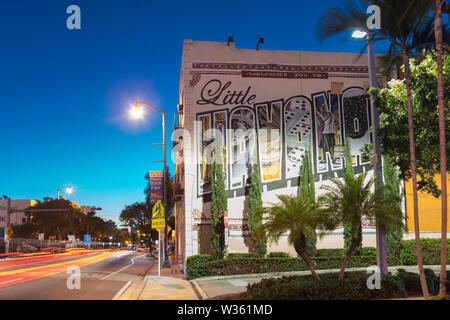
[(169, 286)]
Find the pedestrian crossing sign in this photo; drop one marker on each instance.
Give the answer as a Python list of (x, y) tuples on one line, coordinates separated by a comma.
[(158, 221), (158, 211)]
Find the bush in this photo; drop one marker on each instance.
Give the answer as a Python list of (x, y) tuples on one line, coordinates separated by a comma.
[(365, 251), (431, 252), (353, 286), (412, 282), (196, 265), (242, 255), (266, 265), (279, 255)]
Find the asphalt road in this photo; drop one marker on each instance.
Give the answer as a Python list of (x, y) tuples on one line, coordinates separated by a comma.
[(103, 276)]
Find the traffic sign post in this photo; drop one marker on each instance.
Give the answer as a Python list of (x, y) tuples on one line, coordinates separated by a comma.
[(158, 222)]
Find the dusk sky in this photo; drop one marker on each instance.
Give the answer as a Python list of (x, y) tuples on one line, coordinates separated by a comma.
[(64, 94)]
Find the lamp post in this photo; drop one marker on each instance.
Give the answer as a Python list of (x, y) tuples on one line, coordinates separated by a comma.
[(69, 190), (137, 112), (376, 161)]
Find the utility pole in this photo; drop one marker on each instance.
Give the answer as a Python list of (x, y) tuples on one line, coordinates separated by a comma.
[(378, 169), (8, 222)]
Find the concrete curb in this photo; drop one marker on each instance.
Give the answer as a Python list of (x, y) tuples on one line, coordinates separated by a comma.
[(202, 293), (293, 273)]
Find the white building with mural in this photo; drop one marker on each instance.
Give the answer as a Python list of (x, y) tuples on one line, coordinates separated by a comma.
[(283, 102)]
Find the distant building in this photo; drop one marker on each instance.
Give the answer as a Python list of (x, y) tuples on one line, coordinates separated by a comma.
[(16, 217)]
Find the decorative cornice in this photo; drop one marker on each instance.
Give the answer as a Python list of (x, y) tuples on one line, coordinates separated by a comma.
[(279, 67)]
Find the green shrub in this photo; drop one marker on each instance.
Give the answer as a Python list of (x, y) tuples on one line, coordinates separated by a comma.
[(365, 251), (330, 252), (267, 265), (353, 286), (196, 265), (242, 255), (431, 252), (279, 255), (412, 282)]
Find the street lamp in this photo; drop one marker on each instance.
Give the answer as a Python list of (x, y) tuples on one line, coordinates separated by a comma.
[(137, 113), (68, 190), (376, 162)]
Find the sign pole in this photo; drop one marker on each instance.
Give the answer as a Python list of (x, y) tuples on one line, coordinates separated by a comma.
[(8, 222), (159, 252)]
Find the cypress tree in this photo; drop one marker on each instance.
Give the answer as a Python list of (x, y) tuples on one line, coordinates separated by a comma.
[(256, 203), (347, 226), (394, 235), (219, 205), (307, 191)]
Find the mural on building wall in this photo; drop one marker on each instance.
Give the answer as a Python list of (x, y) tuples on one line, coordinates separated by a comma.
[(281, 131), (269, 138), (298, 133), (243, 141)]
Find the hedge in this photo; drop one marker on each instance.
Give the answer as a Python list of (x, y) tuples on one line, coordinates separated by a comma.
[(353, 286), (196, 265), (365, 251), (431, 252), (246, 263), (279, 255), (242, 255), (226, 267)]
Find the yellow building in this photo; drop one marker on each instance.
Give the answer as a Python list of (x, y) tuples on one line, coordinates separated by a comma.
[(429, 208)]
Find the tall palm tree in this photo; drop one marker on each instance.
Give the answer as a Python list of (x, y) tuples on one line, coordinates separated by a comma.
[(351, 199), (296, 215), (438, 7), (406, 26)]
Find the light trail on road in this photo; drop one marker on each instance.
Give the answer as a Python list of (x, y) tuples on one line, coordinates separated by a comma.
[(16, 276)]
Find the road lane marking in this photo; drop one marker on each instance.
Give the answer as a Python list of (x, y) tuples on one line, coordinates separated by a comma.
[(121, 291), (132, 263), (9, 281)]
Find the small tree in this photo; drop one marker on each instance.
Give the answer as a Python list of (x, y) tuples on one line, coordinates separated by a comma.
[(352, 199), (219, 205), (255, 204), (394, 234), (298, 216), (347, 224), (307, 189)]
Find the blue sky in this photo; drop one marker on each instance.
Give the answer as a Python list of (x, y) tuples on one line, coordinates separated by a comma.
[(64, 93)]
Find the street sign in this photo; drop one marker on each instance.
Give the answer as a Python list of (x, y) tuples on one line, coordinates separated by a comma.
[(158, 224), (158, 221), (9, 232), (158, 211), (155, 182), (87, 239), (41, 236)]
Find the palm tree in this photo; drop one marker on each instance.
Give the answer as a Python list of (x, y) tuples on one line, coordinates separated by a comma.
[(407, 28), (438, 8), (296, 215), (352, 199)]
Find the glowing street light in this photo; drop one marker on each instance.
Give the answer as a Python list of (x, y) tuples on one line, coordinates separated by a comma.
[(359, 34), (137, 112), (68, 190)]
